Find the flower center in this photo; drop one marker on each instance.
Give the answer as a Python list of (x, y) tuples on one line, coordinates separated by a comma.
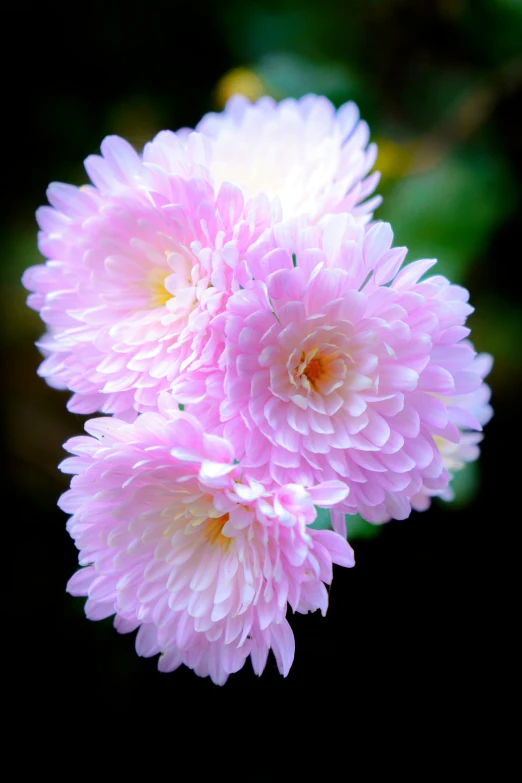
[(313, 370), (159, 296), (213, 532)]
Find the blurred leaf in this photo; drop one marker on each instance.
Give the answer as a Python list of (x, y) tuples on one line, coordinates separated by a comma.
[(254, 30), (465, 485), (289, 75), (496, 26), (18, 250), (322, 521), (356, 526), (511, 5), (450, 211), (436, 92), (496, 327)]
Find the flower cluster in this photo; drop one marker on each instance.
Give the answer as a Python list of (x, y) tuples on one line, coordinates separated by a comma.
[(264, 351)]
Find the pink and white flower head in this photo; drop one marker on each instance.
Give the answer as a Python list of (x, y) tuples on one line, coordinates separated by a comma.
[(139, 265), (475, 412), (176, 541), (314, 159), (340, 366)]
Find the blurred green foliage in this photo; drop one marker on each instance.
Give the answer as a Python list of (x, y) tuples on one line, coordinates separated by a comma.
[(356, 526), (450, 212)]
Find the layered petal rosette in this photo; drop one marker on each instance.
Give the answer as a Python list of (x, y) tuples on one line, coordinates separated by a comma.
[(177, 541), (139, 265), (312, 158), (341, 365)]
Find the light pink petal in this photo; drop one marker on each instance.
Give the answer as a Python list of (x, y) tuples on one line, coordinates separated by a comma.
[(328, 493)]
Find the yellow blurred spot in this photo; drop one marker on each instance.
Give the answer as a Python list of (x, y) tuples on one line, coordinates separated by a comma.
[(240, 81), (394, 160)]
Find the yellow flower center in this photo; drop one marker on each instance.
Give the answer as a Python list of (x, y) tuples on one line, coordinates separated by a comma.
[(159, 296), (213, 532)]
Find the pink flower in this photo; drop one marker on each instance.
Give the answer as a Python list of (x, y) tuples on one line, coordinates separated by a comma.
[(475, 412), (343, 367), (139, 266), (175, 540), (142, 262), (307, 154)]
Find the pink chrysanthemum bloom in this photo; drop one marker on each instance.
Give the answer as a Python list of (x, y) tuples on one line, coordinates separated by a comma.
[(338, 365), (313, 158), (475, 413), (139, 265), (175, 540)]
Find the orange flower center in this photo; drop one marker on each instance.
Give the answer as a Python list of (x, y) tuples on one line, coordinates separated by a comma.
[(313, 370), (213, 532)]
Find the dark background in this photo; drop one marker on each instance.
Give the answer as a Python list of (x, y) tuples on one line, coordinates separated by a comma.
[(440, 84)]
